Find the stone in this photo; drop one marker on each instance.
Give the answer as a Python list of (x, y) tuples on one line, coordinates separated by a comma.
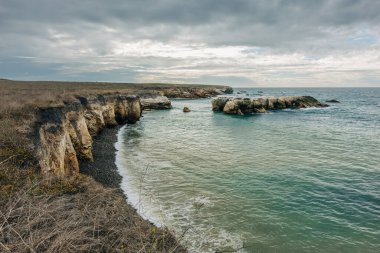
[(186, 109), (332, 101), (156, 102)]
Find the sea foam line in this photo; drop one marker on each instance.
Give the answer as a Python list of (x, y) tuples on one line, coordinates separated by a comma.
[(131, 194)]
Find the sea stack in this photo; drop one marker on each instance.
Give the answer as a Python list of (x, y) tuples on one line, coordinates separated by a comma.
[(243, 106)]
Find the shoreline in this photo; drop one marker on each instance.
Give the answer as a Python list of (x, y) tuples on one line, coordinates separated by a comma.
[(62, 131), (103, 168)]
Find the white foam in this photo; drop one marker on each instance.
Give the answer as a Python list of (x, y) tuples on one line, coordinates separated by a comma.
[(179, 217), (132, 194)]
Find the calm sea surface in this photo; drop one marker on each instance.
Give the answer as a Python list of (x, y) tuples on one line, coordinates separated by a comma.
[(287, 181)]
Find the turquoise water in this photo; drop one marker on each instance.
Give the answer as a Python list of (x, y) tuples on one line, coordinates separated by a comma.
[(287, 181)]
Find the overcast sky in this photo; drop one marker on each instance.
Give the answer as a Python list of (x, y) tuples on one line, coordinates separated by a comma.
[(235, 42)]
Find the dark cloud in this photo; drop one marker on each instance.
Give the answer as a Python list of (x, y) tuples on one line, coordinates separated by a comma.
[(71, 33), (249, 21)]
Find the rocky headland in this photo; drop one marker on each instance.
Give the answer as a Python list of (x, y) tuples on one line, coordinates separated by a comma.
[(55, 139), (242, 106), (64, 133)]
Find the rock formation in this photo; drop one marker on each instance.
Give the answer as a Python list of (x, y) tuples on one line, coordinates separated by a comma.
[(241, 106), (64, 133), (154, 101)]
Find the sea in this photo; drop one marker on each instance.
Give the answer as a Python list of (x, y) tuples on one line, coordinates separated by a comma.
[(305, 180)]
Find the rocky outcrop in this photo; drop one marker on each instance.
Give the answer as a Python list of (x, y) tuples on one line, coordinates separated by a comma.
[(154, 101), (243, 106), (64, 133)]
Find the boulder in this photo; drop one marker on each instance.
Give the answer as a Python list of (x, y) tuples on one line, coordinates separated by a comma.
[(230, 107), (154, 101), (332, 101)]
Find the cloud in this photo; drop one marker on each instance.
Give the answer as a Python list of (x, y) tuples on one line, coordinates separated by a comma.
[(241, 42)]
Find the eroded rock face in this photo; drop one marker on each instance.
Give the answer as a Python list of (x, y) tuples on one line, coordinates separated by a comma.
[(108, 111), (219, 103), (243, 106), (57, 156), (64, 134), (134, 109)]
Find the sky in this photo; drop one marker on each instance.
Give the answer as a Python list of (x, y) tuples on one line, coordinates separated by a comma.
[(241, 43)]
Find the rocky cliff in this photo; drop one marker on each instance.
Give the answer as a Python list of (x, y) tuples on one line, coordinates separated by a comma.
[(243, 106), (64, 133)]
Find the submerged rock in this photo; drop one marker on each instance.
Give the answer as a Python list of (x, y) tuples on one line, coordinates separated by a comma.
[(332, 101), (243, 106)]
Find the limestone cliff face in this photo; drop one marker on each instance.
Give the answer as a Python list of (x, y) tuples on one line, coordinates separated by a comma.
[(64, 133), (260, 105)]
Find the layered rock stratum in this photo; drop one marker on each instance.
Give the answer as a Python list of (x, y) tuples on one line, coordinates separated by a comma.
[(65, 132)]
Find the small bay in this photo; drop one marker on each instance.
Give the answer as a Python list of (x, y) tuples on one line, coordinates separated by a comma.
[(286, 181)]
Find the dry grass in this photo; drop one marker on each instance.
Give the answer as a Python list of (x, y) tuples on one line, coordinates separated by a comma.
[(76, 215)]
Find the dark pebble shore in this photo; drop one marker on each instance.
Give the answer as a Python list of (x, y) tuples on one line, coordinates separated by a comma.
[(103, 169)]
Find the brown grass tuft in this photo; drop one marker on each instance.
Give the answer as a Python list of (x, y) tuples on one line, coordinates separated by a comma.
[(76, 216)]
